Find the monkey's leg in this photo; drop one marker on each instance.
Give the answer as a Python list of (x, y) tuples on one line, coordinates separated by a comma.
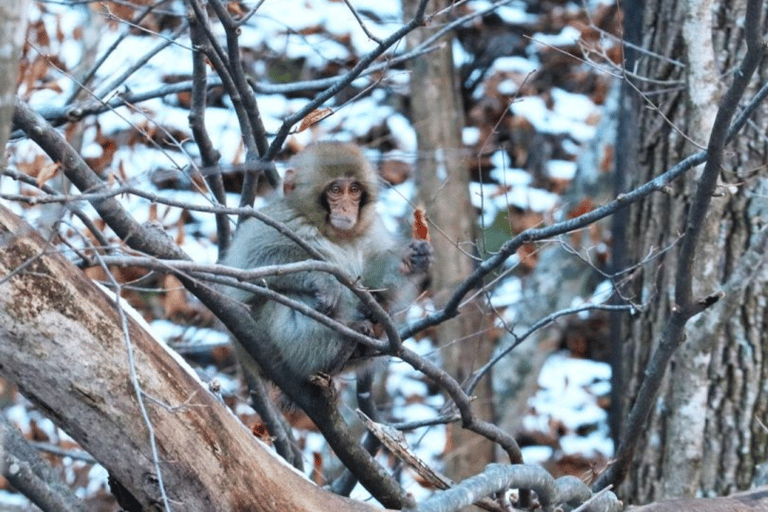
[(343, 356)]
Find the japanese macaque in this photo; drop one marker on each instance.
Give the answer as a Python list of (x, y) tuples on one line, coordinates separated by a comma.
[(329, 201)]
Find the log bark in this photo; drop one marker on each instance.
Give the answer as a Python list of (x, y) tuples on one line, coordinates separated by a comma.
[(752, 501), (62, 343)]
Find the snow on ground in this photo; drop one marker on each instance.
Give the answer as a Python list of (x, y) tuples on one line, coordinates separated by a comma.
[(568, 396)]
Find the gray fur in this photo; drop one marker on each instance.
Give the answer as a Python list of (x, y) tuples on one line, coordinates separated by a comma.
[(370, 254)]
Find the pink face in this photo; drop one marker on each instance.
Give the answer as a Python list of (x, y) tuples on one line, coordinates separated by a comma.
[(344, 196)]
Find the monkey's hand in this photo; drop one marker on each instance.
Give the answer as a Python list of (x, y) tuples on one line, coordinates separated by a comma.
[(418, 258), (326, 297), (365, 327)]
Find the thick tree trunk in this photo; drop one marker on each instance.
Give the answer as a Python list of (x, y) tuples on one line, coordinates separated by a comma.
[(13, 27), (705, 434), (62, 343), (443, 183)]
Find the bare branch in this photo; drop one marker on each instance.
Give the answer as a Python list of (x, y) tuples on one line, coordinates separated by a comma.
[(250, 105), (361, 65), (146, 239), (535, 234), (137, 389), (518, 339), (499, 477), (104, 90), (31, 475), (238, 278), (208, 154), (85, 80), (360, 22)]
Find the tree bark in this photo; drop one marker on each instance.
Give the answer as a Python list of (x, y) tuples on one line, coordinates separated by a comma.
[(13, 28), (62, 343), (443, 184), (704, 435), (752, 501)]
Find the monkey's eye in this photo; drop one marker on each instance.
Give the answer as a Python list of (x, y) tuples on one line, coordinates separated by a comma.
[(335, 189), (355, 188)]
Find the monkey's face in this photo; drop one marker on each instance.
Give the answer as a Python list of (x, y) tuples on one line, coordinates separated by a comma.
[(342, 199), (334, 188)]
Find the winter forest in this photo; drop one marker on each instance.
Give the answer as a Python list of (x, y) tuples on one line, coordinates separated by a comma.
[(278, 255)]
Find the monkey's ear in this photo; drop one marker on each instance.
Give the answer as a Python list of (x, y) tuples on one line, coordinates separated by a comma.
[(289, 181)]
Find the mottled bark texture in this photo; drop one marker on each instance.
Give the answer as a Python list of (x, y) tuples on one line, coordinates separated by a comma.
[(704, 435)]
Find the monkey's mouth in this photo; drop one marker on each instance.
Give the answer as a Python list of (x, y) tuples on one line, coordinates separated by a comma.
[(342, 223)]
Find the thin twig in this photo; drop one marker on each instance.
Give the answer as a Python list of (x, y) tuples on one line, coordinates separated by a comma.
[(517, 340), (360, 22), (92, 72), (136, 386), (209, 155), (105, 89), (362, 64)]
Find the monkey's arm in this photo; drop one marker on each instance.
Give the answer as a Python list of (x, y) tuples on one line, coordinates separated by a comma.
[(256, 245), (397, 269), (394, 260)]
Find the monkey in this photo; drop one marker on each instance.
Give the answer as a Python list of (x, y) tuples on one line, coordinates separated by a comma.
[(329, 200)]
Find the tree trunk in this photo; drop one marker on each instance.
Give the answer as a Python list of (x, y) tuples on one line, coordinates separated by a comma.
[(62, 343), (443, 184), (705, 434), (13, 28)]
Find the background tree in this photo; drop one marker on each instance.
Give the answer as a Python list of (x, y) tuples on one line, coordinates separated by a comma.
[(443, 184), (13, 22), (706, 431)]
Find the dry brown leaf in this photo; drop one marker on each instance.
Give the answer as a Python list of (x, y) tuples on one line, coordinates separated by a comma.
[(108, 150), (529, 256), (317, 473), (36, 72), (235, 8), (520, 220), (47, 172), (260, 430), (42, 38), (96, 273), (395, 172), (419, 229), (175, 299), (585, 206), (53, 86), (152, 212), (59, 32), (314, 117), (33, 168), (185, 99), (181, 232)]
